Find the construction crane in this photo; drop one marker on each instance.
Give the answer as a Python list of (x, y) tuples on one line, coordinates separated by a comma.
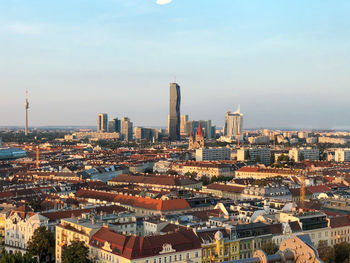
[(298, 249), (37, 157)]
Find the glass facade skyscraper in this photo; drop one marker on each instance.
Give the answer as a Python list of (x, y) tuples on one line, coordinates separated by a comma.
[(174, 112)]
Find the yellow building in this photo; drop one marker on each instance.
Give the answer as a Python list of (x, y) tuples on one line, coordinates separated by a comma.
[(218, 245), (74, 229)]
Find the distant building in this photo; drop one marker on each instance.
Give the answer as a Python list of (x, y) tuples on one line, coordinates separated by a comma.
[(342, 155), (260, 155), (126, 129), (207, 128), (300, 154), (114, 125), (174, 112), (234, 124), (183, 123), (259, 140), (213, 154), (102, 122), (0, 142), (198, 141), (146, 134)]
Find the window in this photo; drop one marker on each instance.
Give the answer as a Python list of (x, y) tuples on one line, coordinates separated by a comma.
[(159, 260), (196, 254)]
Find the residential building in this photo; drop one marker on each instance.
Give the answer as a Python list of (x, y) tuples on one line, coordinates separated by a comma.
[(126, 129), (300, 154), (102, 122), (20, 225), (204, 168), (342, 155), (259, 155), (213, 154), (179, 246), (262, 173), (174, 112), (219, 244)]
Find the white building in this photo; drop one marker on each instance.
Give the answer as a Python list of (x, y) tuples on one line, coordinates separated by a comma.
[(342, 155), (20, 225), (213, 154), (299, 154), (234, 124), (261, 155)]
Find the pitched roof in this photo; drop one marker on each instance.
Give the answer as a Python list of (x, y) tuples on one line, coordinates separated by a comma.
[(226, 188), (142, 202), (339, 221), (132, 247)]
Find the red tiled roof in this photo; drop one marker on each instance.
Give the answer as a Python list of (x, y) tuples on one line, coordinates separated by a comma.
[(133, 247), (339, 221), (142, 202), (226, 188), (318, 189)]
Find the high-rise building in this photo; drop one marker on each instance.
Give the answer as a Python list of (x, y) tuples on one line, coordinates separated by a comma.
[(126, 129), (234, 124), (102, 122), (174, 112), (148, 134), (183, 123), (114, 125), (26, 106)]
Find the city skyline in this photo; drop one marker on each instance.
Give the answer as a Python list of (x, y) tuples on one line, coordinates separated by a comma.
[(279, 61)]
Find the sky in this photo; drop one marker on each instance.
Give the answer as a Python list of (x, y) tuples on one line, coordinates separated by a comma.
[(286, 63)]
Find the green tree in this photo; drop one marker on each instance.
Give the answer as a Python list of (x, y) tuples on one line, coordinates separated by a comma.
[(17, 257), (42, 243), (269, 248), (325, 252), (342, 252), (205, 179), (76, 252)]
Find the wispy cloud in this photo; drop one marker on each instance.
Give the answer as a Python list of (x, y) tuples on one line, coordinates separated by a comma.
[(163, 2), (24, 28)]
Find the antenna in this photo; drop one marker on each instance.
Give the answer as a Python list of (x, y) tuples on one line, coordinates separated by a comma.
[(26, 107)]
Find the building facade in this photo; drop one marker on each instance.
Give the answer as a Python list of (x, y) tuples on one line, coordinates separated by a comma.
[(234, 124), (102, 122), (213, 154), (174, 112), (126, 129)]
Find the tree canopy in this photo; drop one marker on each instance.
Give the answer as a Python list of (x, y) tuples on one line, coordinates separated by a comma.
[(42, 243), (76, 252)]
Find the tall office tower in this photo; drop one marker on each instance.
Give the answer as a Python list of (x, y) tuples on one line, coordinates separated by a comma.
[(183, 122), (26, 106), (234, 124), (114, 125), (126, 129), (102, 122), (174, 112)]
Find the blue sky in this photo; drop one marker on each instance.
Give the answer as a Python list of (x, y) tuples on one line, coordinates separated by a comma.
[(285, 62)]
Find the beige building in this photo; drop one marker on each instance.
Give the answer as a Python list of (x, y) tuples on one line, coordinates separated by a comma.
[(342, 155), (209, 169)]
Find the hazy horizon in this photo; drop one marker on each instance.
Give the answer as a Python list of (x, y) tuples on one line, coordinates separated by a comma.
[(285, 63)]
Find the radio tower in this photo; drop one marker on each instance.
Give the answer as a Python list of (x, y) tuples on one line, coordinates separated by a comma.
[(26, 106)]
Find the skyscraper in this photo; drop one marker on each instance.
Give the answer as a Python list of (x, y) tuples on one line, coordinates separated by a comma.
[(234, 124), (26, 106), (183, 123), (102, 122), (174, 112), (114, 125), (126, 129)]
